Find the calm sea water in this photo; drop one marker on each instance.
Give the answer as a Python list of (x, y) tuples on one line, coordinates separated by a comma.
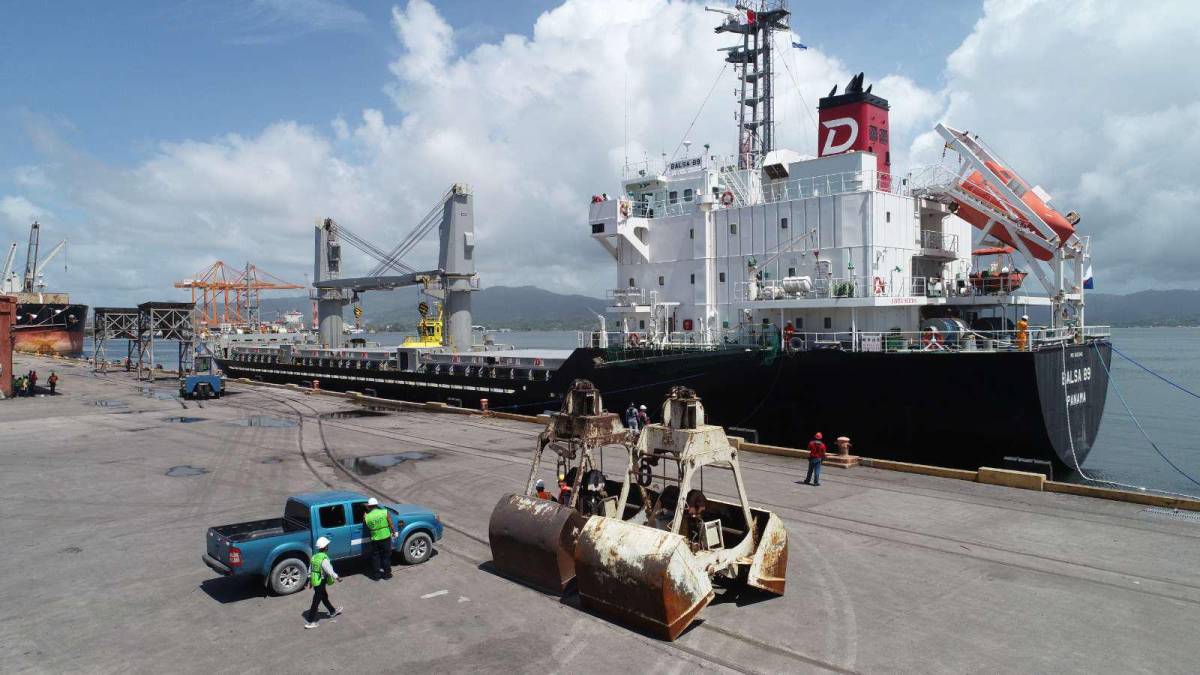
[(1121, 453)]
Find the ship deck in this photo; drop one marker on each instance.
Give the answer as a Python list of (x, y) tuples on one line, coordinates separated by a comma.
[(109, 488)]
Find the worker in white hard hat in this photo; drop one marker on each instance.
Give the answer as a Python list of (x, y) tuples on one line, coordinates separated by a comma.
[(381, 531), (643, 416), (1023, 333), (539, 490), (320, 575)]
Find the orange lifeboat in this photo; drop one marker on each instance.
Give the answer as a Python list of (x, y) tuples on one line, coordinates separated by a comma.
[(977, 186)]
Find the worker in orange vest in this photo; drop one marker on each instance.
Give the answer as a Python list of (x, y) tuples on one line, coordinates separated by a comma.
[(788, 332), (540, 490), (1023, 333)]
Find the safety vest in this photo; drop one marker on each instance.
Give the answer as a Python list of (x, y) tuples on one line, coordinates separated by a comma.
[(377, 522), (316, 573)]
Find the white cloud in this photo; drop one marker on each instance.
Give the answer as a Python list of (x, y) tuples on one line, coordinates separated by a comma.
[(19, 212), (1096, 101), (535, 125)]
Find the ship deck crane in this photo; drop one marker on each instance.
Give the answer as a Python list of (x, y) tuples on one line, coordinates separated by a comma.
[(7, 278), (453, 280)]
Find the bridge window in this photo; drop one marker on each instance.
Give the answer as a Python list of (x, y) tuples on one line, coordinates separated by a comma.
[(631, 284), (874, 133), (662, 281), (733, 228), (721, 277), (783, 223), (642, 324), (693, 278), (673, 197), (889, 216), (687, 195), (828, 323), (791, 271)]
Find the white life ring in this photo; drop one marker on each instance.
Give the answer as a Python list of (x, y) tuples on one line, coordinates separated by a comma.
[(624, 209), (727, 198)]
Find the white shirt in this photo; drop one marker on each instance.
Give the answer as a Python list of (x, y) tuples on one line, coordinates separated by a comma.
[(327, 570)]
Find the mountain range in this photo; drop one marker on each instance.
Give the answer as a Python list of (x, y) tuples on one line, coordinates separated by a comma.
[(532, 308)]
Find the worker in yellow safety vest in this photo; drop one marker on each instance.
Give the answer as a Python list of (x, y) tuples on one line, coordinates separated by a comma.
[(382, 531), (1023, 333), (320, 575)]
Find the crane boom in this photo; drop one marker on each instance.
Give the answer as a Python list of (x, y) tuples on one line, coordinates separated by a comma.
[(8, 261), (49, 256)]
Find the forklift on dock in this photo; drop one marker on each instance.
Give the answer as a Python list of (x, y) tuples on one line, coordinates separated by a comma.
[(203, 381)]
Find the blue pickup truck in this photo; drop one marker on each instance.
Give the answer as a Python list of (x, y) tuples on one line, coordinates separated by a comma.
[(278, 549)]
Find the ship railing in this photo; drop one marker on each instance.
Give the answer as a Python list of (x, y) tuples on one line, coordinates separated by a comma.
[(824, 288), (844, 182), (631, 297), (945, 241), (1034, 339), (644, 340), (662, 208)]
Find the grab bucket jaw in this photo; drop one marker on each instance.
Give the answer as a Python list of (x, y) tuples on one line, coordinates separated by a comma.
[(768, 567), (640, 576), (533, 541)]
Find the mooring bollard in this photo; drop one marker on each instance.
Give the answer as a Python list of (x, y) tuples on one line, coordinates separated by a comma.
[(316, 384), (483, 404)]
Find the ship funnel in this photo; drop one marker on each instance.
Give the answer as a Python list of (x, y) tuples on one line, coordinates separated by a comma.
[(855, 121)]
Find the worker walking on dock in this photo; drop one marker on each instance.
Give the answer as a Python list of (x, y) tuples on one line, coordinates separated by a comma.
[(1023, 333), (382, 532), (816, 455), (320, 575), (631, 417), (52, 381)]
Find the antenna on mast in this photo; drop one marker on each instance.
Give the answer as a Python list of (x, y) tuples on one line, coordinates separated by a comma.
[(755, 22)]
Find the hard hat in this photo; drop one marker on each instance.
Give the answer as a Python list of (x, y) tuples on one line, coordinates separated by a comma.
[(641, 407), (372, 502), (1025, 316), (818, 436), (540, 483), (322, 542)]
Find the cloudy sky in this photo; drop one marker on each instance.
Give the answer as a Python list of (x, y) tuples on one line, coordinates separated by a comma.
[(158, 138)]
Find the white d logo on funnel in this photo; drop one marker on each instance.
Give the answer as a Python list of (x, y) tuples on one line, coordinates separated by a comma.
[(830, 148)]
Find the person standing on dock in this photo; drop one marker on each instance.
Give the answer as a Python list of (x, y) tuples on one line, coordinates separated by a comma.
[(33, 378), (816, 455), (631, 417), (1023, 333), (320, 575), (52, 381), (643, 417), (382, 532)]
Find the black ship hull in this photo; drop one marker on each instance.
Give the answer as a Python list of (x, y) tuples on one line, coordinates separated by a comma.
[(960, 410), (49, 328)]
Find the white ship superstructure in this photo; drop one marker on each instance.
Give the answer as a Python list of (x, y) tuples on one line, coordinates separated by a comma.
[(827, 247)]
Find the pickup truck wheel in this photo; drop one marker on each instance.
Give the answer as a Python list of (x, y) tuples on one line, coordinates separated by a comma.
[(417, 548), (288, 576)]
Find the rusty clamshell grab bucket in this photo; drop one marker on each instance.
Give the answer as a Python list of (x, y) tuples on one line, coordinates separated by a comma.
[(533, 541), (640, 576)]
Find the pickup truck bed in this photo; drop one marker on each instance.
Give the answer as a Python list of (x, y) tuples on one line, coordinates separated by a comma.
[(256, 529)]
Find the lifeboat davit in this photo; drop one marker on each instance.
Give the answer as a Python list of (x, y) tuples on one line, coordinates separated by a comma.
[(977, 186)]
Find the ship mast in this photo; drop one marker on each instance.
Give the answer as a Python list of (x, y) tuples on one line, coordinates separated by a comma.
[(755, 22), (31, 256)]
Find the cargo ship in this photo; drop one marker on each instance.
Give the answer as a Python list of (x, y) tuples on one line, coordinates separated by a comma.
[(794, 294), (47, 322)]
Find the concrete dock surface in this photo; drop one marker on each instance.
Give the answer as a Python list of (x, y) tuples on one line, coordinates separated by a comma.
[(109, 487)]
